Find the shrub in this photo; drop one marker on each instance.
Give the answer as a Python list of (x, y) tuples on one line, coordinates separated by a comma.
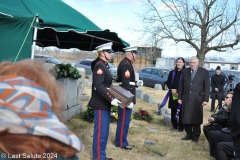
[(88, 115)]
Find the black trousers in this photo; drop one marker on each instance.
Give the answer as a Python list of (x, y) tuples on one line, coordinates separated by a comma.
[(214, 138), (217, 96), (236, 144), (225, 151), (193, 130), (179, 124), (207, 129)]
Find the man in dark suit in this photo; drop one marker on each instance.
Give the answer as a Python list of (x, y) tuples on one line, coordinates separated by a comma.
[(235, 120), (193, 94)]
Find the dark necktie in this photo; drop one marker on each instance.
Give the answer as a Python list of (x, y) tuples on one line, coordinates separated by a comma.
[(192, 74)]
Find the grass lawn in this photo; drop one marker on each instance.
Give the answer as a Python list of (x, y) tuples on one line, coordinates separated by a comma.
[(169, 144)]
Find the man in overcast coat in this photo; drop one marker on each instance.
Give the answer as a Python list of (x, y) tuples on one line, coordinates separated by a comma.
[(193, 94)]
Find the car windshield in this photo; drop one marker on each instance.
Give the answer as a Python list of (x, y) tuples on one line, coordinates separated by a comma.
[(165, 72), (54, 60)]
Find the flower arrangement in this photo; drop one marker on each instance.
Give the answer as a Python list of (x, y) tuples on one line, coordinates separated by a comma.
[(88, 115), (67, 71), (114, 113), (143, 115)]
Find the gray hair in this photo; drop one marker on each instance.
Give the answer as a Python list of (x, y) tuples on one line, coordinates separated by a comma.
[(194, 57)]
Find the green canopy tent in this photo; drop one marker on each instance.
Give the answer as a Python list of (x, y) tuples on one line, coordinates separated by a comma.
[(24, 23)]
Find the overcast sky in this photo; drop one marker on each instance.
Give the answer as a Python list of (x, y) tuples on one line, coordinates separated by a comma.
[(120, 16)]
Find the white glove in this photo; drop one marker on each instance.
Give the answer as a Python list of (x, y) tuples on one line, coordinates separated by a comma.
[(115, 102), (130, 106), (139, 83)]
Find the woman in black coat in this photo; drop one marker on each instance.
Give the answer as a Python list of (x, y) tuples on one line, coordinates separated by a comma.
[(173, 83), (217, 84)]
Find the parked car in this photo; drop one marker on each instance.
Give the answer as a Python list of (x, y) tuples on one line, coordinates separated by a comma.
[(232, 77), (46, 59), (113, 71), (153, 75), (86, 64)]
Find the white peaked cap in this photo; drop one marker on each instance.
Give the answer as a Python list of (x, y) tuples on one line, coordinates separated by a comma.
[(106, 46), (130, 49)]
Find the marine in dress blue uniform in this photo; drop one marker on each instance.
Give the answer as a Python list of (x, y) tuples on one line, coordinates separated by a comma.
[(102, 101), (126, 77)]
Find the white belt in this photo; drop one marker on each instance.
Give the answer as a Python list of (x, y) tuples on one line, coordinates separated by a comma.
[(96, 89), (131, 83)]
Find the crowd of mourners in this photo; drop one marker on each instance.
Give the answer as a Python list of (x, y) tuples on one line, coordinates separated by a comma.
[(189, 92)]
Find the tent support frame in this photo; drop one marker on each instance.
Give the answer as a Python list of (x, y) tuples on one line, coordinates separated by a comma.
[(34, 38)]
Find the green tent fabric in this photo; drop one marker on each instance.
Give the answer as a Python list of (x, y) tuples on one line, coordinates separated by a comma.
[(59, 25), (11, 40)]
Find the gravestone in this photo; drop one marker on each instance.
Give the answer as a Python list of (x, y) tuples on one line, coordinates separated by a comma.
[(139, 93), (158, 87), (167, 119), (154, 130), (149, 143), (149, 99)]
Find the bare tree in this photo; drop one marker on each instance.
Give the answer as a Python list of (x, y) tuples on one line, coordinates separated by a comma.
[(204, 24)]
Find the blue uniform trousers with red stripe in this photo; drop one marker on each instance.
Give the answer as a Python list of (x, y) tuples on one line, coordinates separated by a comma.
[(124, 117), (100, 134)]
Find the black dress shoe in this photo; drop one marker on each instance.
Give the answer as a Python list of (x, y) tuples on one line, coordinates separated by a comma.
[(186, 138), (195, 140), (127, 147)]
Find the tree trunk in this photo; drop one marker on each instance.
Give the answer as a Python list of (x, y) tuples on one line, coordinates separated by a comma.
[(201, 57)]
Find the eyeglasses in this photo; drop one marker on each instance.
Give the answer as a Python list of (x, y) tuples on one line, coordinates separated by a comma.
[(227, 97)]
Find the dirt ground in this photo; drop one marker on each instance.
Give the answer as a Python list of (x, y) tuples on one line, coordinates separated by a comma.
[(169, 144)]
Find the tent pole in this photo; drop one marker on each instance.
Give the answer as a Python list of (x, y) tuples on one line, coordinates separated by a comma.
[(34, 37)]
